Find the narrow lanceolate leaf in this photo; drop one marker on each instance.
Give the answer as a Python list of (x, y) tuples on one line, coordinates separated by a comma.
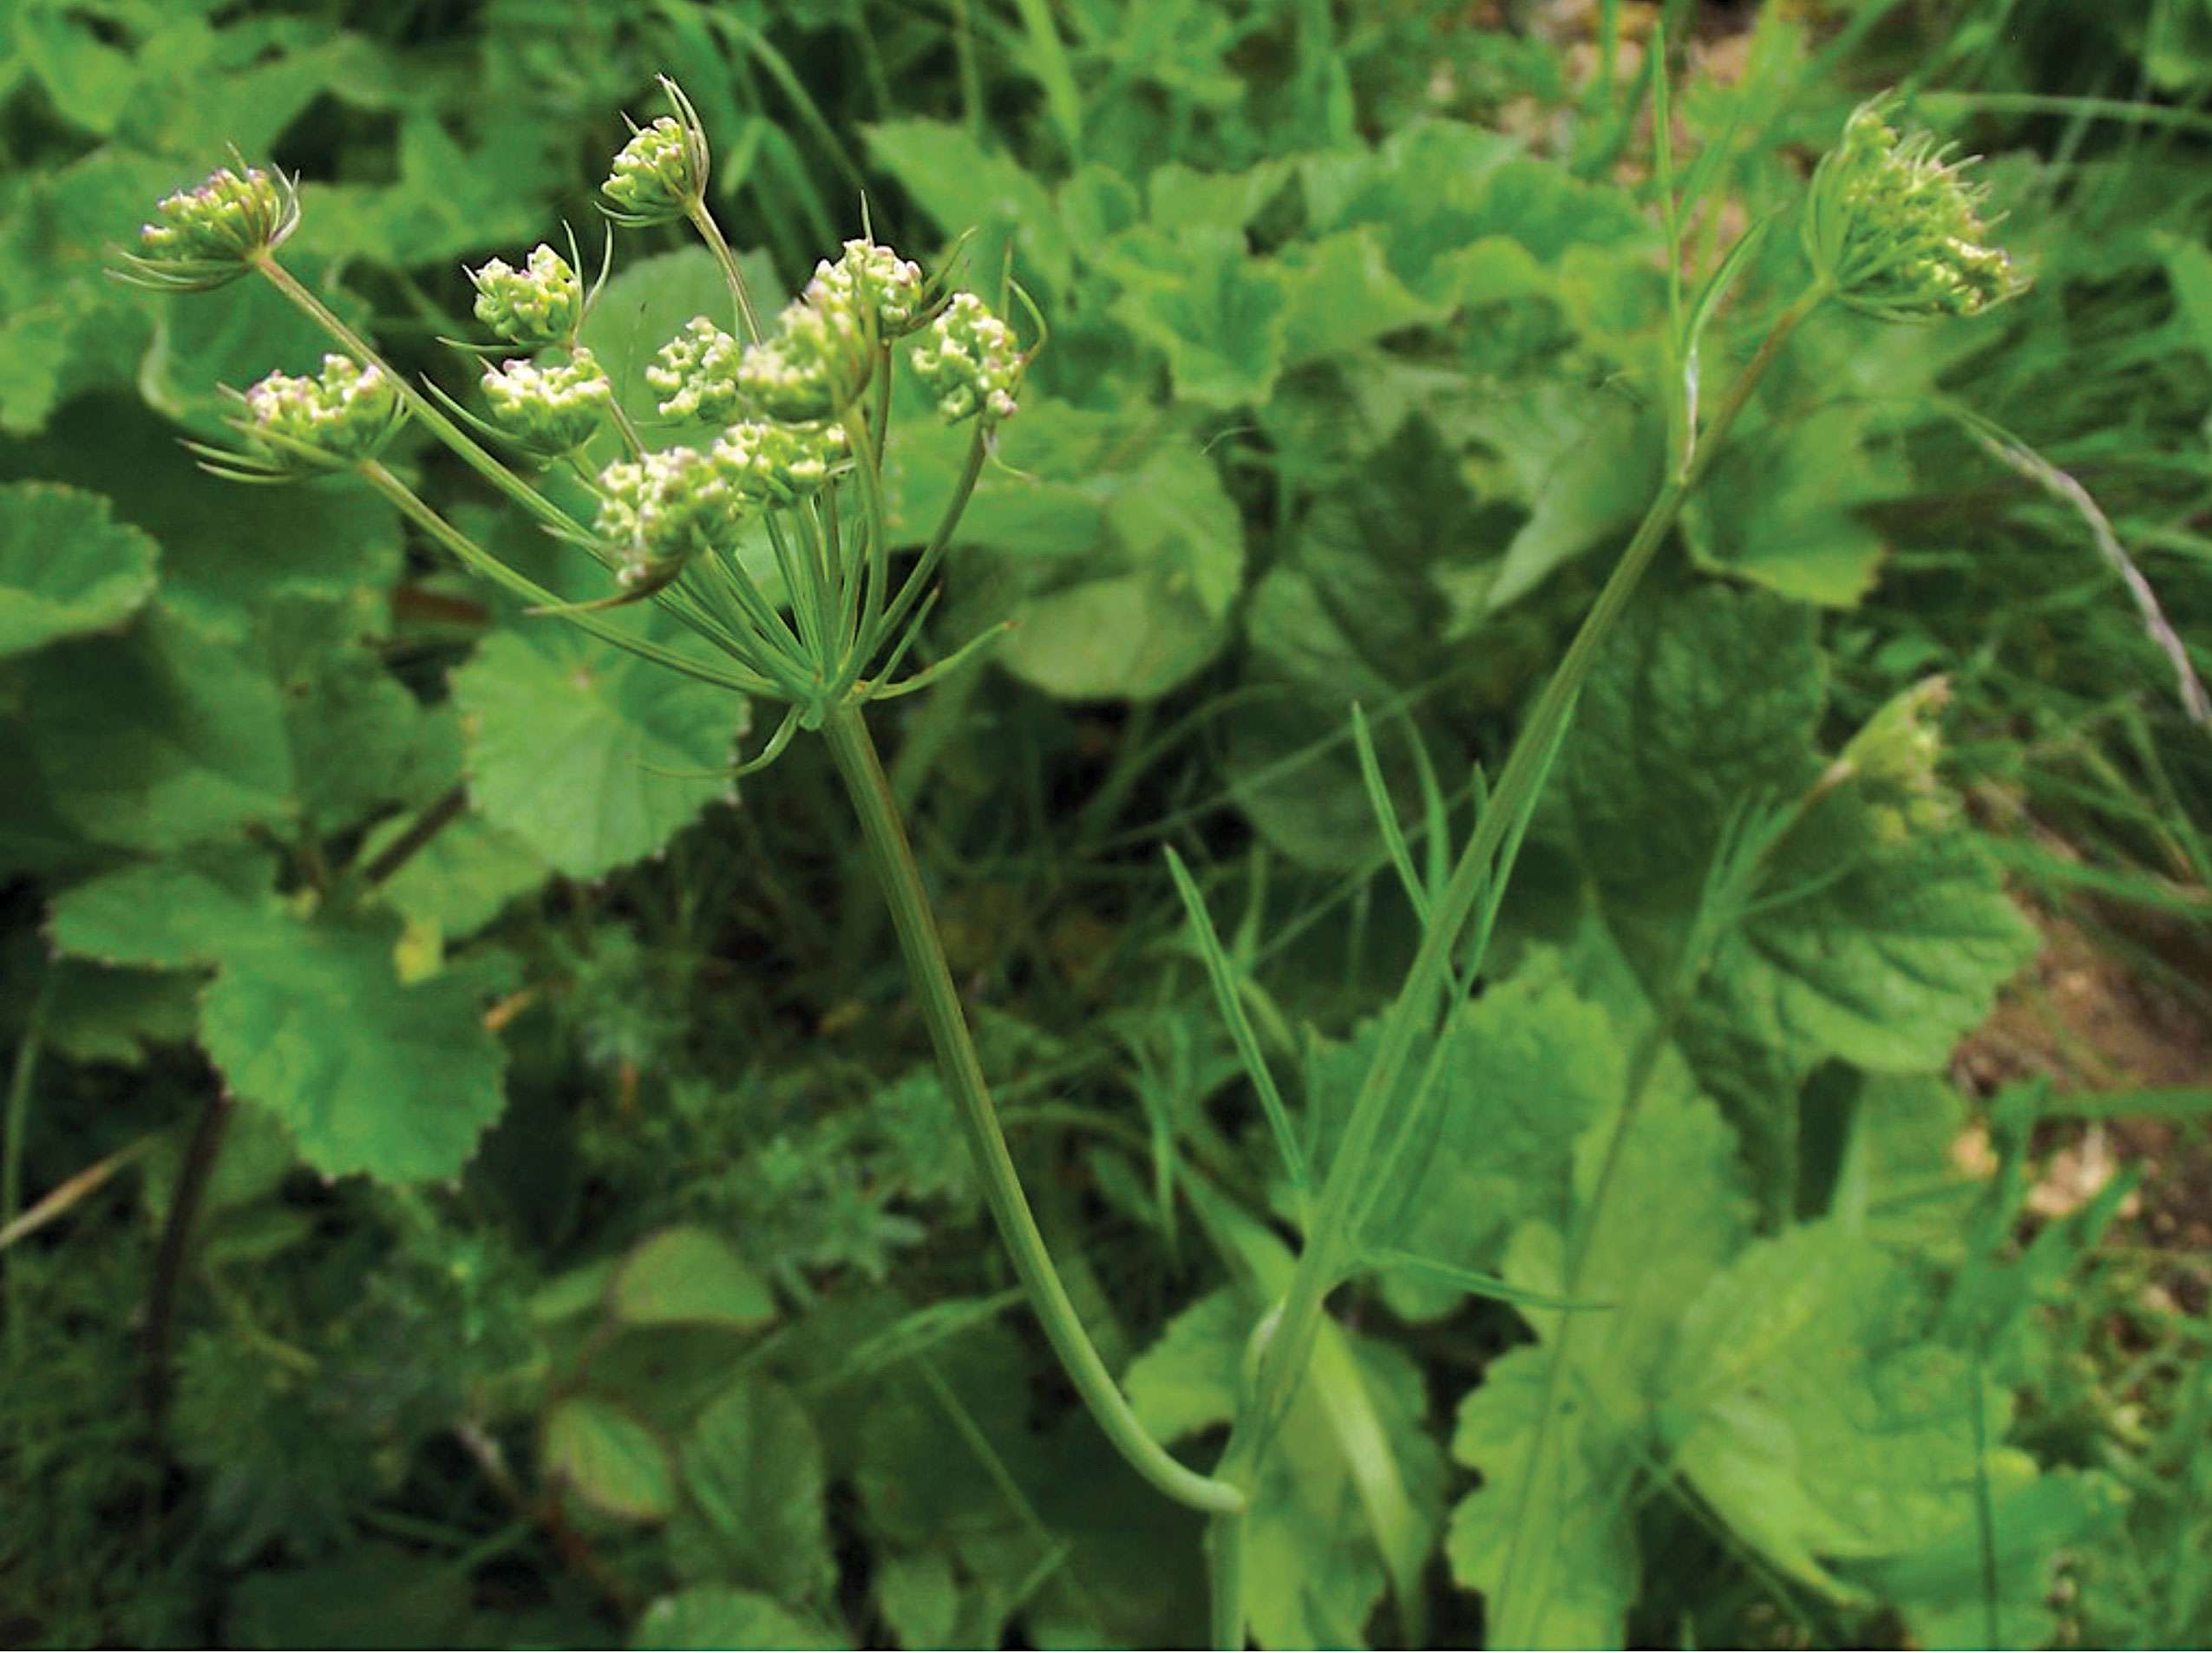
[(66, 567), (565, 734)]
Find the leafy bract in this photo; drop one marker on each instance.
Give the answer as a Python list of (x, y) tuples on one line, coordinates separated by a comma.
[(66, 567), (565, 734)]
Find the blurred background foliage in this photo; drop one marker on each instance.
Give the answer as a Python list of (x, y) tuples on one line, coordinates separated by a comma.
[(662, 1311)]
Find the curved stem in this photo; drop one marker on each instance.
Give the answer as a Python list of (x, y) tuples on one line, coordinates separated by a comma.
[(481, 561), (1331, 1239), (710, 233), (858, 766)]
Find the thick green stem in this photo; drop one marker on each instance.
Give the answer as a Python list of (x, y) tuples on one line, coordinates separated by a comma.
[(855, 754), (1331, 1239)]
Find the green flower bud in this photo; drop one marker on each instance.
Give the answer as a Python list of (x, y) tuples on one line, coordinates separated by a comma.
[(1894, 229), (329, 422), (661, 174), (662, 510), (1895, 757), (202, 238), (696, 372), (549, 410), (870, 281), (540, 306), (970, 362), (814, 364), (775, 464)]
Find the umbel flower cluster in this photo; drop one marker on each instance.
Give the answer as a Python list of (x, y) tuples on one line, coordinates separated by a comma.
[(1896, 230), (765, 534)]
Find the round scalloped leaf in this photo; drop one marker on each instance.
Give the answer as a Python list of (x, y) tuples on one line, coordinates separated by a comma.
[(689, 1277), (565, 734), (161, 740), (66, 567), (368, 1074), (609, 1458)]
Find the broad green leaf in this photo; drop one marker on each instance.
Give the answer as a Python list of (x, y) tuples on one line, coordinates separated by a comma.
[(1577, 1512), (160, 739), (709, 1617), (1354, 1484), (1180, 198), (1341, 294), (311, 1021), (2038, 1522), (919, 1597), (1359, 612), (1584, 464), (227, 551), (1219, 314), (371, 1595), (448, 200), (354, 728), (961, 187), (67, 566), (607, 1458), (690, 1276), (1781, 508), (565, 734), (119, 1014), (753, 1467), (1803, 1412), (1878, 945), (1558, 1441), (459, 881), (170, 914), (1526, 1067), (1140, 620)]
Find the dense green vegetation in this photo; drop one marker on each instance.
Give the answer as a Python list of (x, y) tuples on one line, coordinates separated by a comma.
[(1690, 1136)]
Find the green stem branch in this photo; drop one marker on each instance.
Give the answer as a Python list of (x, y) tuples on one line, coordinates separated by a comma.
[(1332, 1239), (466, 448), (855, 754)]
